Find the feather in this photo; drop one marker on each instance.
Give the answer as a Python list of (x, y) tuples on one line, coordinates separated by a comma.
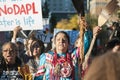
[(107, 11), (79, 6), (111, 6)]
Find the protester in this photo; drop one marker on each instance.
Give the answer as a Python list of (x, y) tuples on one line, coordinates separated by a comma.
[(20, 42), (9, 62), (36, 48), (105, 67), (54, 62), (87, 52), (58, 64), (28, 42)]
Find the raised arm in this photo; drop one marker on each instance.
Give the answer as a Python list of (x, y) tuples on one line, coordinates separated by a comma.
[(96, 30), (15, 33)]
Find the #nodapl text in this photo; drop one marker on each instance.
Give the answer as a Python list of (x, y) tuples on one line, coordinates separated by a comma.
[(19, 9)]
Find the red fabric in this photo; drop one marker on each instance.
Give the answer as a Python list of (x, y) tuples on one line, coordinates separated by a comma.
[(62, 60)]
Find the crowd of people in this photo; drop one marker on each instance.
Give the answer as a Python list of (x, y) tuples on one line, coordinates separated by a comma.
[(28, 59)]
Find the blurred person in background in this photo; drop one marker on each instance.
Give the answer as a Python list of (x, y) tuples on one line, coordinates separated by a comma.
[(113, 45), (105, 67)]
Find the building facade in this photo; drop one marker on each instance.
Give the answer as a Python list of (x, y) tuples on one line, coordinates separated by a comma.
[(60, 5)]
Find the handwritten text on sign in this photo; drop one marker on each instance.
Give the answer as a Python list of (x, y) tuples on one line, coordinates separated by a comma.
[(24, 13)]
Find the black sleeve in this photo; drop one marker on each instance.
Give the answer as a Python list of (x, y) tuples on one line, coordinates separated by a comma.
[(2, 65)]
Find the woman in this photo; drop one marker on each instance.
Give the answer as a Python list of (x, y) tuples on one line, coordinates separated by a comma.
[(36, 48), (58, 64), (9, 62)]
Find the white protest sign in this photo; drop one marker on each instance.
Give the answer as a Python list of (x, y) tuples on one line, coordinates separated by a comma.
[(24, 13)]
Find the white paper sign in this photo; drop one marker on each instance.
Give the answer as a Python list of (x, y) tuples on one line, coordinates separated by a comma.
[(24, 13)]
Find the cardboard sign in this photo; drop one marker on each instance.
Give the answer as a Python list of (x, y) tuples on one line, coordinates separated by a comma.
[(24, 13)]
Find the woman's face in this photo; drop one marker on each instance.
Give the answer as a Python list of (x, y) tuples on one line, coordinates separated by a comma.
[(61, 43), (35, 48), (9, 53)]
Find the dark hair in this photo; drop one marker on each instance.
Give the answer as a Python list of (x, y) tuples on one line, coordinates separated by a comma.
[(41, 44), (30, 37), (42, 47), (117, 29), (116, 24), (65, 35), (112, 43), (13, 45)]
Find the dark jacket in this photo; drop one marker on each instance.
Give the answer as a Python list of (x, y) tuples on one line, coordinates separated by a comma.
[(12, 69)]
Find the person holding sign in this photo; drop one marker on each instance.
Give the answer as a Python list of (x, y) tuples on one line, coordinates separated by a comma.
[(19, 41)]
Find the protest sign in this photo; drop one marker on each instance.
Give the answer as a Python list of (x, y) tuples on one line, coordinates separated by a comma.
[(24, 13)]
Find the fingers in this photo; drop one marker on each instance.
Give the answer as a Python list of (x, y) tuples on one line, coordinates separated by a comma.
[(96, 30), (17, 29)]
